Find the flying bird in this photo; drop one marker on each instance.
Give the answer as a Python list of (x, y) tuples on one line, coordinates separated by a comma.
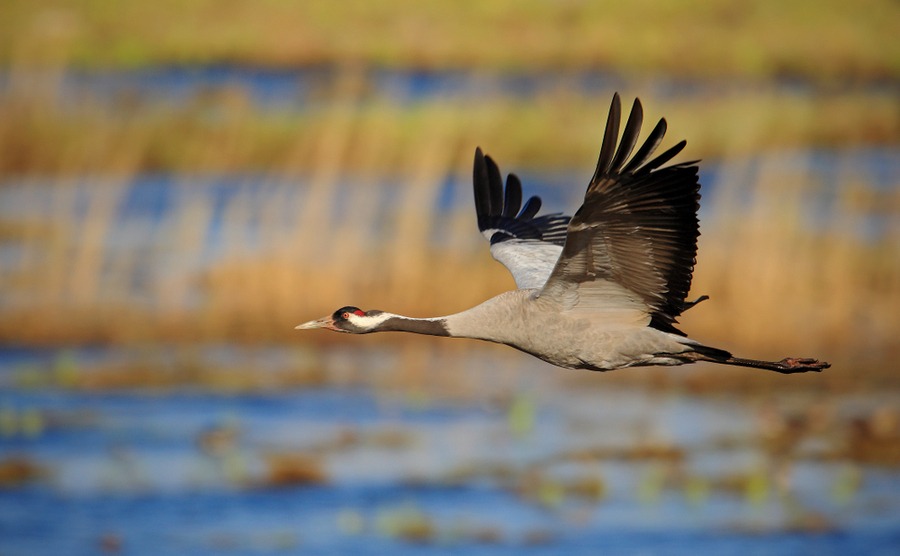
[(600, 290)]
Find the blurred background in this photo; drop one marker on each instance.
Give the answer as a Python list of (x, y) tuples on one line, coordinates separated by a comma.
[(181, 183)]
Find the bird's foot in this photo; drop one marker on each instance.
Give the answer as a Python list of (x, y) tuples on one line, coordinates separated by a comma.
[(790, 365)]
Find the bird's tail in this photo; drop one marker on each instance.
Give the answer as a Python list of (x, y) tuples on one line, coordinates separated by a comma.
[(788, 365)]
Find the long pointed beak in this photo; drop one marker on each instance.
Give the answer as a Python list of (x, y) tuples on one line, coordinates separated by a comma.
[(324, 322)]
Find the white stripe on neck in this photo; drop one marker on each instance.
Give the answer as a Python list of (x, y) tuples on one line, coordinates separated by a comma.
[(369, 321)]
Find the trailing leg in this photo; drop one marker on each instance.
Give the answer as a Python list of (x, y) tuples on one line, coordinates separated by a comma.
[(788, 365)]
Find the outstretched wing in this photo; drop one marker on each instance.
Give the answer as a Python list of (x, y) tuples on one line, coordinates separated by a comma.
[(528, 245), (632, 245)]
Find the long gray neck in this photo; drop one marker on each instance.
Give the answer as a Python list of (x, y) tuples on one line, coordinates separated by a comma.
[(479, 322), (397, 323), (490, 320)]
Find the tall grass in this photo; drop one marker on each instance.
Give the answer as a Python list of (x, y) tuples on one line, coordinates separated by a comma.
[(824, 39), (224, 131), (349, 215)]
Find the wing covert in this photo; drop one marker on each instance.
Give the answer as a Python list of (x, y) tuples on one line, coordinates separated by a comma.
[(636, 230)]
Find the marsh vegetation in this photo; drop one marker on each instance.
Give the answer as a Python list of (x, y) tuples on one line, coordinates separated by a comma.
[(173, 202)]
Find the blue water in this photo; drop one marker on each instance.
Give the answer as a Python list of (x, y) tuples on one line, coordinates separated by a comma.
[(128, 470), (307, 86), (302, 521)]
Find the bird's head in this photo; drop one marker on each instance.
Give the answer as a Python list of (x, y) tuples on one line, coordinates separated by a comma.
[(349, 319)]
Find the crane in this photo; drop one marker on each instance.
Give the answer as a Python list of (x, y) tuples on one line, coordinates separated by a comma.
[(600, 290)]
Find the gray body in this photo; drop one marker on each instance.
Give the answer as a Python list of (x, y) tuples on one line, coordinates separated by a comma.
[(570, 338)]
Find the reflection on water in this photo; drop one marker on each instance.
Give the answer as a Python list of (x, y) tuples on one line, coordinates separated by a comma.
[(534, 467)]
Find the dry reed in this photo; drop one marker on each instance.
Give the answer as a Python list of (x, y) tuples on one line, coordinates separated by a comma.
[(220, 133), (350, 215), (765, 38)]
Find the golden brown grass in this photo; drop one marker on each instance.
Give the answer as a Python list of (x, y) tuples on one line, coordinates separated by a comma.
[(825, 39), (778, 287), (224, 131)]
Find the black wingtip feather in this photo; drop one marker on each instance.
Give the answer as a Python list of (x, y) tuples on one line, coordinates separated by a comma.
[(653, 140), (664, 157), (496, 207), (495, 189), (610, 138), (481, 186), (531, 208), (513, 196), (629, 137)]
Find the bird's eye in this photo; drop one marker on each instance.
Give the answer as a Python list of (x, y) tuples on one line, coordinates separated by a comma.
[(345, 316)]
